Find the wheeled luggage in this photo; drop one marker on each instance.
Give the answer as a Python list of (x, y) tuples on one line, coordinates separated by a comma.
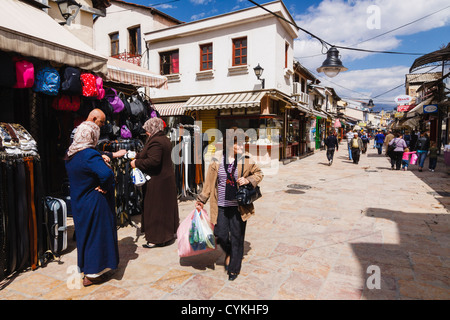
[(56, 217)]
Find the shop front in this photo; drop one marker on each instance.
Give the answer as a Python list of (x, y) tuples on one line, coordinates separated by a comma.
[(48, 113)]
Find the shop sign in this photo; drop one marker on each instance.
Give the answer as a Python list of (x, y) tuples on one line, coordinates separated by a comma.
[(399, 114), (403, 99), (430, 108), (403, 108)]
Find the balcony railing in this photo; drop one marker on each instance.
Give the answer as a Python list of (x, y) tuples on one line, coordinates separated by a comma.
[(129, 57), (299, 96)]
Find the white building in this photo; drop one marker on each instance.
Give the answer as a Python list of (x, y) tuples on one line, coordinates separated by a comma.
[(120, 34)]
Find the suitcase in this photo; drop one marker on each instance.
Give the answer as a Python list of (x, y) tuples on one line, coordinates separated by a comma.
[(56, 217)]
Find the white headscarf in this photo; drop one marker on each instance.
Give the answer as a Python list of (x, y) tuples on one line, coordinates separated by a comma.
[(86, 136)]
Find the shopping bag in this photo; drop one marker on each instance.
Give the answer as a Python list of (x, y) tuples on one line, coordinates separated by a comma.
[(195, 226), (414, 158)]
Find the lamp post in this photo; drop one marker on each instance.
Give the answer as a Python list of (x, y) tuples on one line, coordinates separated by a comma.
[(332, 64), (69, 10), (258, 73)]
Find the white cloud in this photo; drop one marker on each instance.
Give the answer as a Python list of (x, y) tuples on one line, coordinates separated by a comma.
[(345, 23), (200, 1)]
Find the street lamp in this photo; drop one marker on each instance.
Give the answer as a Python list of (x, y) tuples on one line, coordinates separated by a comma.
[(258, 73), (69, 10), (332, 64)]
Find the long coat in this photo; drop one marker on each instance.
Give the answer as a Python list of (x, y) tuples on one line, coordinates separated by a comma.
[(93, 212), (160, 219)]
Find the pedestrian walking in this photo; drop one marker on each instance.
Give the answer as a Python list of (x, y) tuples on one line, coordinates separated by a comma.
[(356, 146), (160, 218), (92, 199), (406, 158), (432, 158), (397, 153), (332, 144), (387, 140), (226, 172), (349, 136), (422, 146), (365, 139), (379, 141)]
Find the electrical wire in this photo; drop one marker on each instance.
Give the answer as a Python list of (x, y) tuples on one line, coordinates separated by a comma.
[(325, 43)]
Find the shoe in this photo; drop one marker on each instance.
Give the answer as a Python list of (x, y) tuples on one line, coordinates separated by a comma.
[(420, 170), (432, 170), (232, 276), (150, 245), (87, 281)]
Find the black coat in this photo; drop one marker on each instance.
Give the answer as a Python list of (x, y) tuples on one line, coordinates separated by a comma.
[(331, 142)]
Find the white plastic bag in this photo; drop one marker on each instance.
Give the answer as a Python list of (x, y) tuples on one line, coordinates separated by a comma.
[(139, 178)]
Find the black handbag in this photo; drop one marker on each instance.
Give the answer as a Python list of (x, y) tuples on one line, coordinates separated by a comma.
[(247, 194)]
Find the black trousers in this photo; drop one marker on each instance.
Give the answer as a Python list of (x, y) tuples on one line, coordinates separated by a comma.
[(330, 154), (355, 154), (230, 233), (396, 159)]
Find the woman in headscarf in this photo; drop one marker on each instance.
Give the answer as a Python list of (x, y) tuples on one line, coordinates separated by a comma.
[(92, 199), (160, 219)]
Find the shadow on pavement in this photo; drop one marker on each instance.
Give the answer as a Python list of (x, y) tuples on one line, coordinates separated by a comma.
[(415, 265)]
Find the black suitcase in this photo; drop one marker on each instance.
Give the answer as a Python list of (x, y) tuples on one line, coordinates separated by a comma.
[(56, 217)]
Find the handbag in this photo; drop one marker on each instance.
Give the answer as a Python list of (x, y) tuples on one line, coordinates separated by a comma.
[(247, 194), (414, 158)]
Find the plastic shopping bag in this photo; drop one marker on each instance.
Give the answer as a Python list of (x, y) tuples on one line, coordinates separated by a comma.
[(195, 234), (138, 177), (414, 158)]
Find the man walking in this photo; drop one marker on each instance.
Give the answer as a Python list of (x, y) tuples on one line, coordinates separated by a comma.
[(356, 145), (349, 138), (379, 141), (332, 143)]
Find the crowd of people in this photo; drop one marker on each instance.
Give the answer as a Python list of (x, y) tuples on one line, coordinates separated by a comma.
[(92, 197), (399, 147)]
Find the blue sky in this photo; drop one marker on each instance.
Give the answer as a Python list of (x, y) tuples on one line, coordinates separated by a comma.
[(347, 23)]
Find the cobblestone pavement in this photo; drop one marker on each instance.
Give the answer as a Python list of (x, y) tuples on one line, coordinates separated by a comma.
[(320, 232)]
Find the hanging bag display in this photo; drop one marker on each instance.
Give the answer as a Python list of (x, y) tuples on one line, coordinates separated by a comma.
[(100, 89), (71, 84), (125, 133), (47, 81), (8, 70), (89, 86), (24, 74), (66, 103), (114, 100)]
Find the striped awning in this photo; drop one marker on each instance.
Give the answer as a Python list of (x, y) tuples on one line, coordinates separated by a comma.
[(31, 32), (225, 101), (128, 73), (170, 109)]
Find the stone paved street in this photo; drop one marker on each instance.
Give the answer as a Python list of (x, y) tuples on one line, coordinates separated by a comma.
[(315, 241)]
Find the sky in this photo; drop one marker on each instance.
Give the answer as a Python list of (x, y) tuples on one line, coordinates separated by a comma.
[(409, 26)]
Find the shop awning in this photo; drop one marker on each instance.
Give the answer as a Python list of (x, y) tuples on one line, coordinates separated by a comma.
[(419, 107), (128, 73), (31, 32), (170, 109), (225, 101)]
